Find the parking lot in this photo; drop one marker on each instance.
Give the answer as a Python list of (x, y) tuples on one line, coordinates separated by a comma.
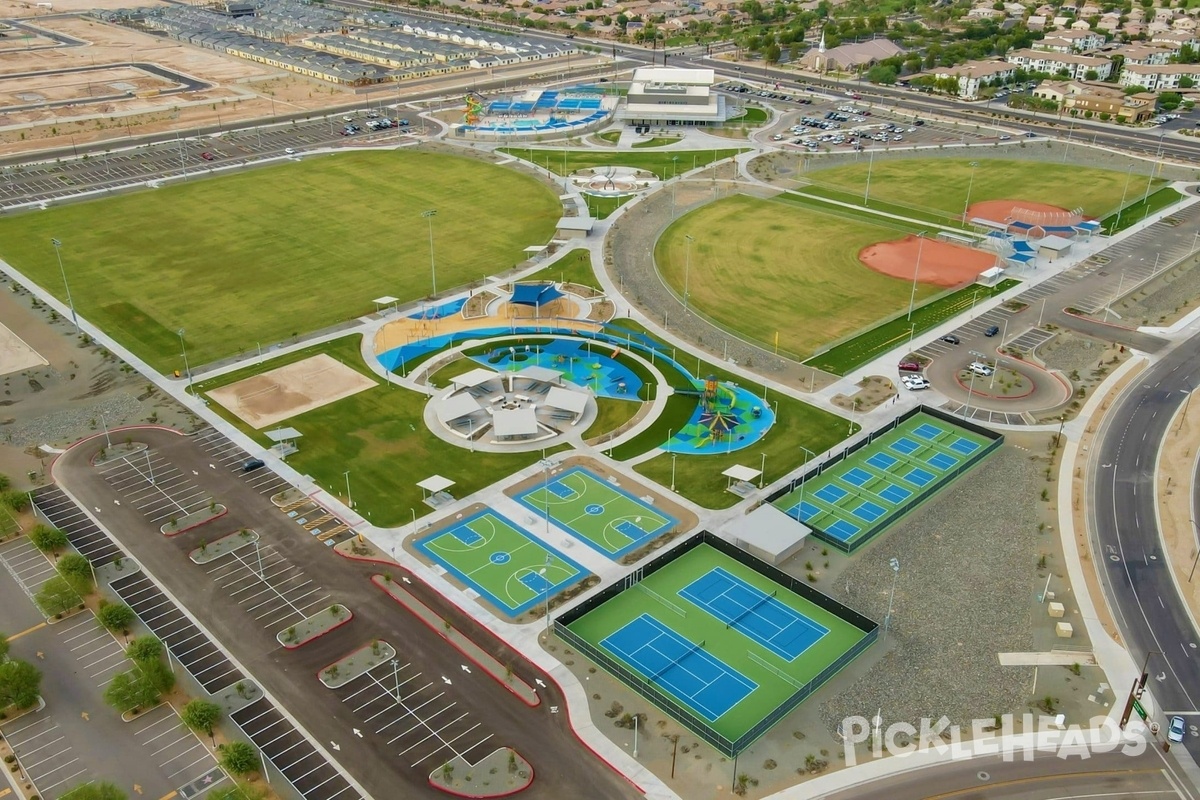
[(84, 535), (26, 564), (187, 643), (415, 714), (272, 590), (158, 489), (98, 653), (230, 456), (292, 754)]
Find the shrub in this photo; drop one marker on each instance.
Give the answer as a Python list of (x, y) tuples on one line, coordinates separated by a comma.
[(14, 500), (47, 539), (77, 571), (144, 649), (239, 758), (115, 616), (56, 597), (20, 683)]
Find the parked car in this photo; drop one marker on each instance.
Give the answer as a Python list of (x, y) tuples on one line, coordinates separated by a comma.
[(915, 382), (979, 368), (909, 366), (207, 156), (1176, 731), (291, 151), (992, 330), (950, 338)]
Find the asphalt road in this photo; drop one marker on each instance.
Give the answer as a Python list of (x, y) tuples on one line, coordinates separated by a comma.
[(561, 763), (1136, 575), (1047, 777)]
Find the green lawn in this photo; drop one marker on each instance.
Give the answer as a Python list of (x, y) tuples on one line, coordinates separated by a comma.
[(611, 414), (657, 141), (761, 267), (264, 254), (661, 163), (612, 137), (1141, 208), (571, 269), (870, 344), (940, 184), (775, 679), (873, 204), (751, 115), (601, 207), (380, 436)]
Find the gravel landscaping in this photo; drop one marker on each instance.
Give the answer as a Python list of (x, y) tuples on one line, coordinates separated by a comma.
[(176, 526), (211, 551), (316, 626), (967, 560), (1163, 300), (357, 663)]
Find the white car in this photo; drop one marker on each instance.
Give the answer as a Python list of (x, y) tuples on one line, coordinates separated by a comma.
[(1177, 730), (291, 151), (915, 382), (979, 368)]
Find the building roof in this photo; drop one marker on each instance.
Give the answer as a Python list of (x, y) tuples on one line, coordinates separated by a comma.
[(456, 406), (1056, 243), (535, 294), (507, 422), (542, 374), (767, 529), (435, 484), (740, 472), (674, 75), (476, 377), (576, 224), (567, 400)]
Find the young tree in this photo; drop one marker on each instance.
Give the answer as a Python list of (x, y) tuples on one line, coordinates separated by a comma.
[(115, 616), (14, 499), (240, 758), (57, 596), (20, 683), (201, 716), (97, 790), (130, 690), (77, 571), (47, 539), (144, 649)]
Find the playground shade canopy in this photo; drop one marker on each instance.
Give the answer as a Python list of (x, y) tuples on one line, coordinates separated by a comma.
[(541, 374), (476, 377), (565, 399), (738, 472), (284, 434), (435, 483), (508, 422), (455, 407), (535, 294)]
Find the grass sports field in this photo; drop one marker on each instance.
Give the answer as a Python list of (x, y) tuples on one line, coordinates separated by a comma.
[(662, 163), (860, 496), (761, 266), (503, 563), (940, 184), (602, 516), (719, 637), (259, 255)]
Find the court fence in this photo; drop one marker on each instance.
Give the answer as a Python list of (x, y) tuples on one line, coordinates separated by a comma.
[(995, 441), (680, 712)]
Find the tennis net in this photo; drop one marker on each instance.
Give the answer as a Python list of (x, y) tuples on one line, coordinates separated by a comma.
[(675, 661), (661, 599), (749, 610)]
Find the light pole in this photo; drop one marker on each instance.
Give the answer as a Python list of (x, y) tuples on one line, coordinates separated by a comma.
[(870, 167), (1121, 207), (887, 621), (970, 184), (673, 479), (349, 500), (912, 297), (687, 267), (396, 676), (429, 215), (762, 470), (803, 480), (186, 368), (71, 303)]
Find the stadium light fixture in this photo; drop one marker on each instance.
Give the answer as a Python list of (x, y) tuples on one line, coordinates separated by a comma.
[(71, 303), (429, 215)]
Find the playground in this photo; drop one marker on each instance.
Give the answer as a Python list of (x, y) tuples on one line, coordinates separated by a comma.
[(600, 514), (857, 495), (716, 641), (501, 561), (583, 363), (535, 112), (727, 418)]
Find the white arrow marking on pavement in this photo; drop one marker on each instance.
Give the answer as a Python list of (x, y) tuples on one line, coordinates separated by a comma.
[(538, 681), (195, 473), (117, 502), (358, 733), (1162, 676), (406, 580), (210, 466), (336, 746), (97, 509), (445, 680), (465, 668), (553, 709)]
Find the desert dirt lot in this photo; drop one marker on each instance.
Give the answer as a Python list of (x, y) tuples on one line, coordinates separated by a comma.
[(282, 393)]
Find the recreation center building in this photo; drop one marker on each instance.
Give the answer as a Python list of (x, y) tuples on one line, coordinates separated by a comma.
[(671, 96)]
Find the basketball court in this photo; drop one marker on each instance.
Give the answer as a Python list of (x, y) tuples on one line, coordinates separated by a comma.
[(273, 396), (501, 562), (605, 517)]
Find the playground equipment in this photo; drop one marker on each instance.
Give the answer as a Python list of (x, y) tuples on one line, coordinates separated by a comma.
[(474, 108)]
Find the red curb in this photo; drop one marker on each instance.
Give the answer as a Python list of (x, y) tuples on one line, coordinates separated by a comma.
[(1100, 322), (302, 642), (197, 525), (376, 579), (368, 560), (509, 793), (547, 675)]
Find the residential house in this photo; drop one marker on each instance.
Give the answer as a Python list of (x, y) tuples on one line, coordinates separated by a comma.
[(974, 75), (1159, 78), (1080, 97), (1070, 41), (1140, 53), (1072, 64)]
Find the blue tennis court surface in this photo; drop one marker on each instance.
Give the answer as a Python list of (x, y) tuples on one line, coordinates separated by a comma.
[(843, 530), (895, 494), (857, 477), (927, 431), (830, 493), (918, 477), (882, 461), (905, 445), (964, 446), (682, 668), (869, 511), (749, 610), (941, 461)]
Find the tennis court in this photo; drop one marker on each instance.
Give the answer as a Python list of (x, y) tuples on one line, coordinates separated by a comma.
[(603, 516), (501, 562), (682, 667), (721, 639), (859, 496)]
